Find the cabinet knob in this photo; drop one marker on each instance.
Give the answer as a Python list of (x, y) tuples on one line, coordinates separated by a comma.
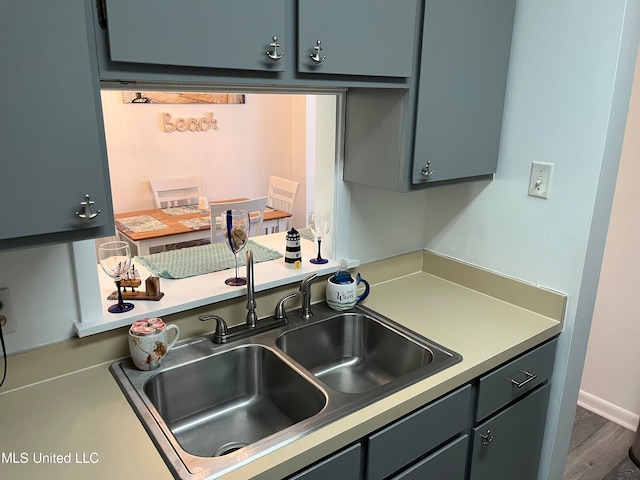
[(316, 57), (427, 171), (487, 438), (85, 212), (273, 53)]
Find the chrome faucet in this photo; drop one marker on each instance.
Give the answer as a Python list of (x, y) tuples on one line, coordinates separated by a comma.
[(224, 333), (252, 318), (305, 288)]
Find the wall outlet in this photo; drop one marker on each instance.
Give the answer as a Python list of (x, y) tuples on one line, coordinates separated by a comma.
[(540, 179), (7, 314)]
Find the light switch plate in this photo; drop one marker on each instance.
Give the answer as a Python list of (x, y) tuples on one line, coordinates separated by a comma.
[(540, 179)]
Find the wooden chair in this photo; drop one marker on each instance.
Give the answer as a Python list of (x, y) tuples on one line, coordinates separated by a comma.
[(255, 208), (176, 192), (280, 196)]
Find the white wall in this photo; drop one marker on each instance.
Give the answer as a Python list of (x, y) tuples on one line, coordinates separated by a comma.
[(611, 379), (253, 140), (563, 106), (566, 104)]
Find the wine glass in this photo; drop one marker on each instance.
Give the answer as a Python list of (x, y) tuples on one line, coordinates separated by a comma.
[(115, 259), (235, 230), (319, 223)]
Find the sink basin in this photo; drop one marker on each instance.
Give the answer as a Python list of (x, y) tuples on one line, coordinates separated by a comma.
[(354, 353), (225, 402), (212, 408)]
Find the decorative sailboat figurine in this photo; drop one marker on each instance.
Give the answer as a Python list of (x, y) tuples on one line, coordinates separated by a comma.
[(131, 279)]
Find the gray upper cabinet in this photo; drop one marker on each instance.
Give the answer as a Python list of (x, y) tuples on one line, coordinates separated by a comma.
[(259, 42), (51, 127), (465, 60), (357, 37), (222, 34), (447, 126)]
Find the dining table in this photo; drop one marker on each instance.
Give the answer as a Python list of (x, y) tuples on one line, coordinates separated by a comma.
[(159, 227)]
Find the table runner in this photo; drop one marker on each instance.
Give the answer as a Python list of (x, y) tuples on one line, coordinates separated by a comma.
[(183, 210), (141, 223), (197, 223), (192, 261)]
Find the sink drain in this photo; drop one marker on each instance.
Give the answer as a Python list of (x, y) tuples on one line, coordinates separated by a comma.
[(228, 448)]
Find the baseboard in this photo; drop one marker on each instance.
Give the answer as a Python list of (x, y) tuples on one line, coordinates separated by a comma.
[(608, 410)]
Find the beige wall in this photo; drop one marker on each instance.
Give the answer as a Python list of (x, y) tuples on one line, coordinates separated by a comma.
[(611, 379)]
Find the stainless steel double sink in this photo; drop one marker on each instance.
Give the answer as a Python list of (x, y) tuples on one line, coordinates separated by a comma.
[(211, 408)]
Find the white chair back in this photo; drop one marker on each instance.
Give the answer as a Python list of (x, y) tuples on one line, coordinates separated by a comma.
[(176, 192), (281, 195), (255, 208)]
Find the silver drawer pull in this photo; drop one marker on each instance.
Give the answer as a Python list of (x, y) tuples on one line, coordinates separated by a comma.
[(530, 377), (487, 439)]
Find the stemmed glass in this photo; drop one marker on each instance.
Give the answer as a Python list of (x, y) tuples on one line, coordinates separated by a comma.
[(319, 223), (235, 229), (115, 259)]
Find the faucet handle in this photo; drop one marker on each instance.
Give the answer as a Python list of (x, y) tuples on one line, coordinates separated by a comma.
[(306, 282), (221, 331), (279, 312), (305, 288)]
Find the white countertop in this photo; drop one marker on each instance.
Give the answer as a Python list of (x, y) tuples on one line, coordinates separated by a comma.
[(188, 293)]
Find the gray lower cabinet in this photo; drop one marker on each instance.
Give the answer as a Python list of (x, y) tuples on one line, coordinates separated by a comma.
[(510, 417), (400, 444), (448, 462), (507, 445), (491, 429), (427, 443), (51, 127), (344, 465)]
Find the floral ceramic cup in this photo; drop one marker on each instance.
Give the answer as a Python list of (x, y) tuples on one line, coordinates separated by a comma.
[(149, 342)]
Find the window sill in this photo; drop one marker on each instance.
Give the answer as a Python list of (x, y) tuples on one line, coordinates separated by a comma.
[(193, 292)]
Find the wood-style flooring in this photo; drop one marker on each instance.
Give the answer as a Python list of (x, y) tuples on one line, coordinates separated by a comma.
[(599, 450)]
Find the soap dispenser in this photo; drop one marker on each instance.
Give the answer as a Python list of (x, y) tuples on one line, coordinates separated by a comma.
[(342, 275)]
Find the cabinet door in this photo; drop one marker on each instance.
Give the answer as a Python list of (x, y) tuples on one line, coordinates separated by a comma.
[(465, 59), (51, 131), (233, 34), (448, 463), (358, 37), (415, 435), (344, 465), (507, 446)]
